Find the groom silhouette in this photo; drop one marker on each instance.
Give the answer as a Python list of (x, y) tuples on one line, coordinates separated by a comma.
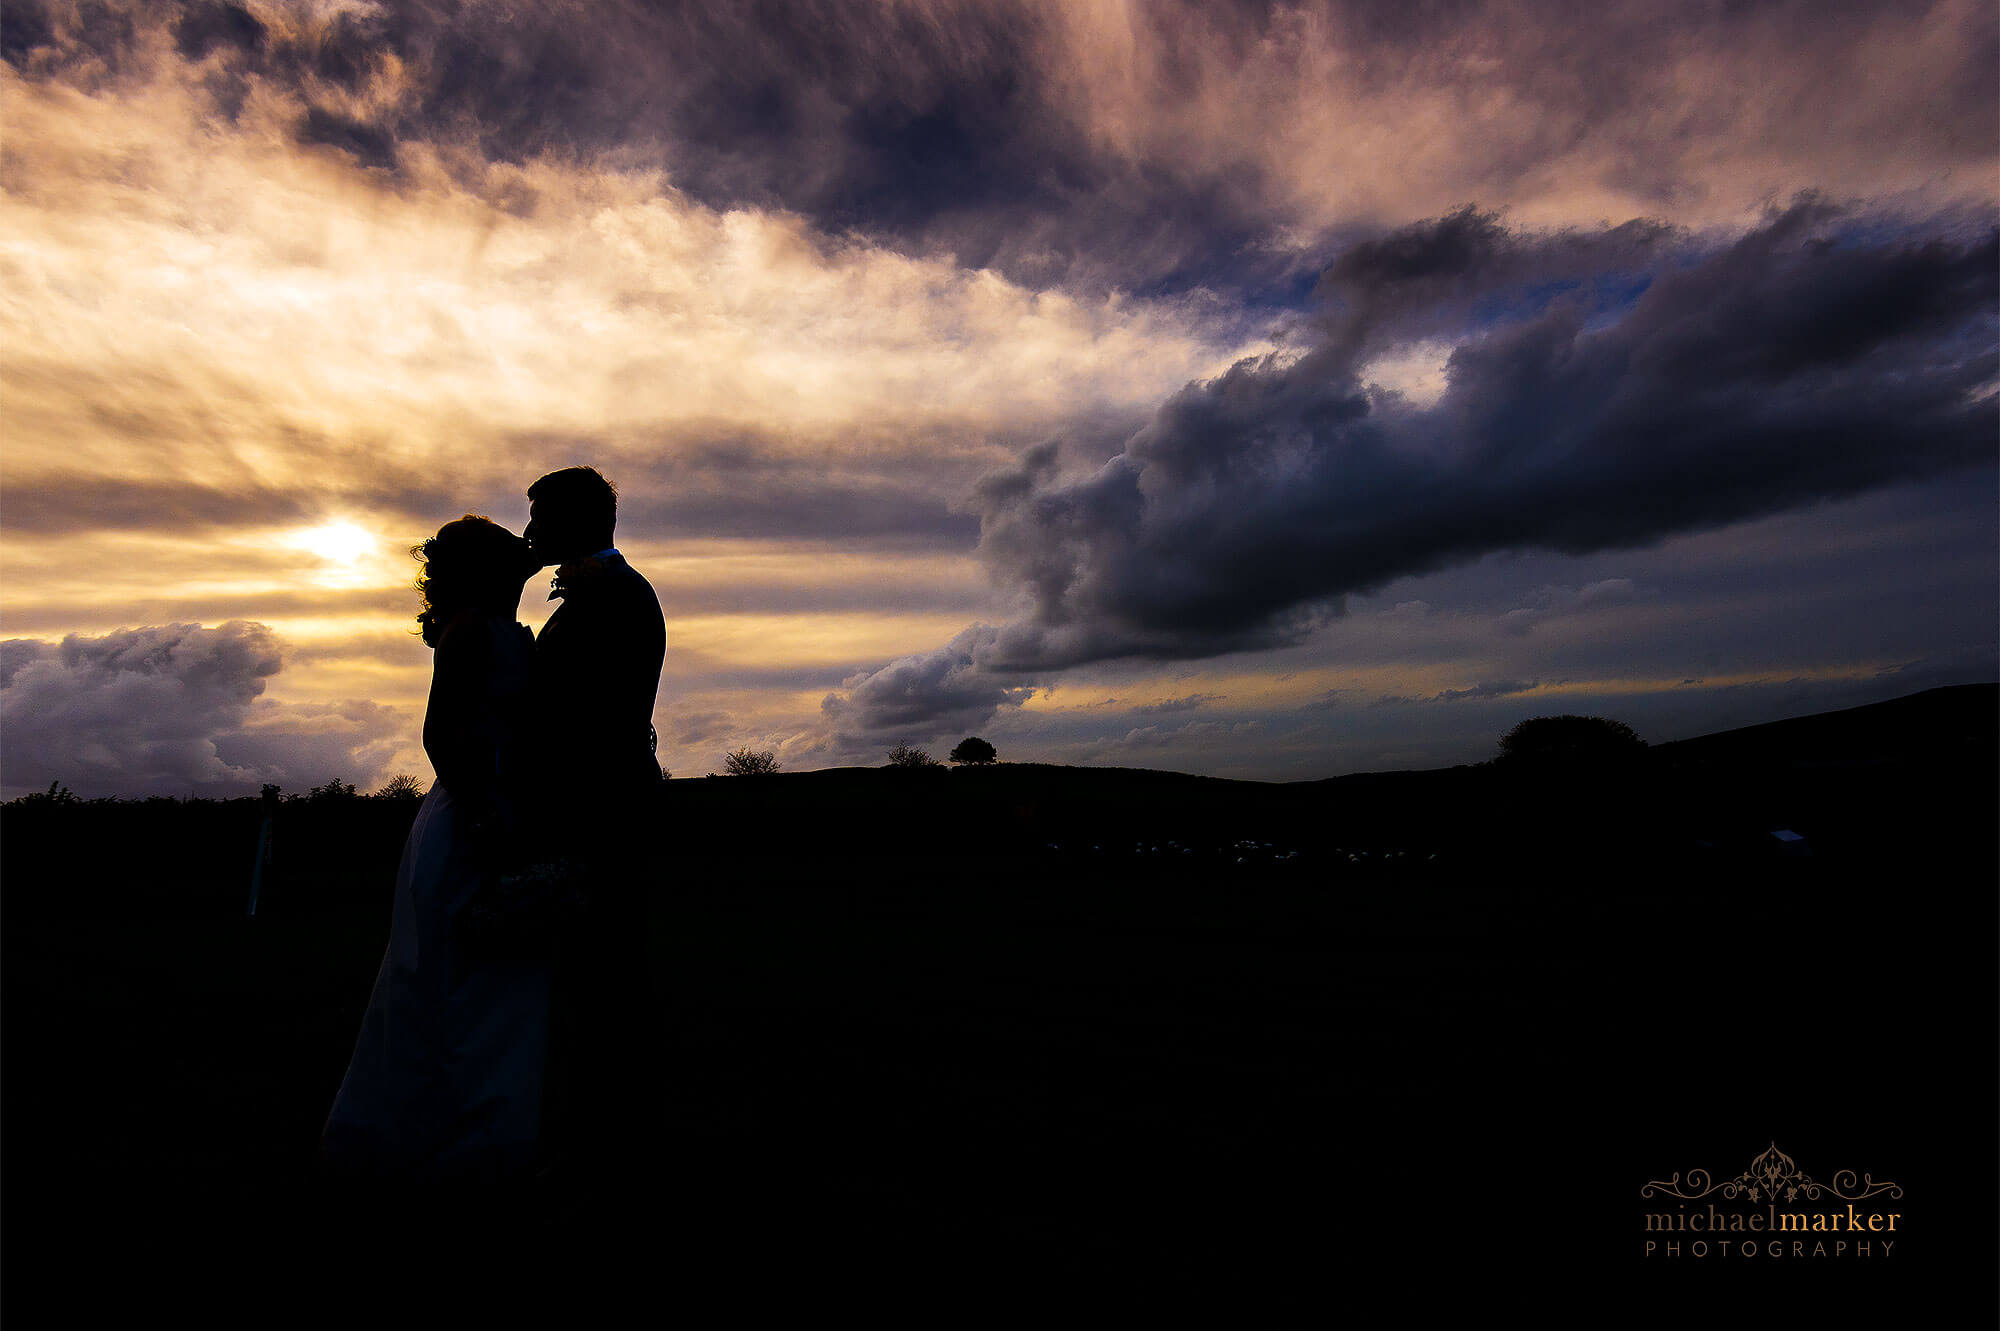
[(597, 673)]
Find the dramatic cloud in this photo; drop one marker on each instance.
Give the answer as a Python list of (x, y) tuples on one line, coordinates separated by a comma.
[(891, 318), (174, 708), (132, 711), (925, 695), (1812, 358), (1163, 144), (301, 745)]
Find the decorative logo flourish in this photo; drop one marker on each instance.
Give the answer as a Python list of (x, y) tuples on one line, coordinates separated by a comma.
[(1769, 1176)]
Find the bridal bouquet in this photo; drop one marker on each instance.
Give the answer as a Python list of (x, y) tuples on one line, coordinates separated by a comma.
[(521, 914)]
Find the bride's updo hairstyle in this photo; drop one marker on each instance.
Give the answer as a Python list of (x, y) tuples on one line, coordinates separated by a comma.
[(471, 564)]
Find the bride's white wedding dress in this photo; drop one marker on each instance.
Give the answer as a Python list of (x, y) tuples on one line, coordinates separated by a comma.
[(446, 1077)]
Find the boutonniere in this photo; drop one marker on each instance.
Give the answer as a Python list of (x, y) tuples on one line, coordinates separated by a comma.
[(569, 576)]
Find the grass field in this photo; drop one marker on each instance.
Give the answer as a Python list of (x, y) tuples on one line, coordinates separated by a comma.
[(1305, 1077)]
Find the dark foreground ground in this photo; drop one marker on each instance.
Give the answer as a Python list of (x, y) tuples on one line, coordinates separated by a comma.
[(955, 1045)]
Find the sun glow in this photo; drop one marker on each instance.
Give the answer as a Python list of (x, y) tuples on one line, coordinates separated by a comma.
[(340, 543)]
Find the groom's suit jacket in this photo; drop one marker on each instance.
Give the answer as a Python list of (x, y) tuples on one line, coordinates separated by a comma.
[(597, 674)]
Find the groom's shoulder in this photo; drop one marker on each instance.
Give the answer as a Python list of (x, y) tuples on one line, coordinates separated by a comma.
[(636, 587), (632, 577), (623, 567)]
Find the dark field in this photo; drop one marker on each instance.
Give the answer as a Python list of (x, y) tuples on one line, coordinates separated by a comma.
[(970, 1031)]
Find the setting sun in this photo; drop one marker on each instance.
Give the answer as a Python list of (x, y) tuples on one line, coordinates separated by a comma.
[(336, 542)]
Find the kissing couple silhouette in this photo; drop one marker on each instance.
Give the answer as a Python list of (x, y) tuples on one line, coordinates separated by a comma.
[(510, 1049)]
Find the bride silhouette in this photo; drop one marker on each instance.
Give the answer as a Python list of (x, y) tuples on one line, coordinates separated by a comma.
[(445, 1084)]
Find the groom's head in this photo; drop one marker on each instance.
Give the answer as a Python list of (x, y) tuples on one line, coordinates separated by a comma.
[(571, 514)]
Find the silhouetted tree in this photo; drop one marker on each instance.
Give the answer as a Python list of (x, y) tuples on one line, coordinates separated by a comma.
[(57, 793), (916, 759), (973, 750), (401, 786), (334, 789), (1569, 742), (745, 763)]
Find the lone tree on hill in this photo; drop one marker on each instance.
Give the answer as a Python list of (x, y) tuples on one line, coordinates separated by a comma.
[(745, 763), (914, 759), (1569, 741), (974, 751)]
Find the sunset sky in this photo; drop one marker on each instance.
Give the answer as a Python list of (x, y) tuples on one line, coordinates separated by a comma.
[(1260, 390)]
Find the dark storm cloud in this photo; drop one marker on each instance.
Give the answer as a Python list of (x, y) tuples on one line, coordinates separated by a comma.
[(942, 690), (200, 28), (1814, 358), (82, 40), (370, 145), (174, 707), (932, 126), (16, 653), (1181, 145), (133, 710), (1820, 356), (301, 745), (919, 122), (24, 28), (1436, 276)]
